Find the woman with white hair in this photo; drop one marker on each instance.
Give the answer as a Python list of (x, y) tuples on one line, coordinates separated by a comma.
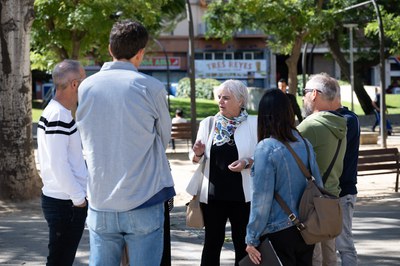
[(226, 142)]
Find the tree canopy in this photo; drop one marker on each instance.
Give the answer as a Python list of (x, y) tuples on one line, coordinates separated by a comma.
[(290, 23), (79, 29)]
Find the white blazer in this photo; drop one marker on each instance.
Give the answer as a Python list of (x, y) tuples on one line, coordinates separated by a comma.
[(246, 140)]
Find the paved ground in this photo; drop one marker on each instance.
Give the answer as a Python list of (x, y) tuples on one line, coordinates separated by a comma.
[(23, 231)]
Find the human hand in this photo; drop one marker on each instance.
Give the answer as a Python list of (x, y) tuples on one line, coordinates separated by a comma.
[(254, 254), (199, 148), (83, 205), (237, 165)]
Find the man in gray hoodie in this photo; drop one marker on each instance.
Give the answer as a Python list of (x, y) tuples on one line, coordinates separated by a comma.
[(326, 130), (125, 127)]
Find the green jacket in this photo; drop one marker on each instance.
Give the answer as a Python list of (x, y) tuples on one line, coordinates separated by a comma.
[(324, 129)]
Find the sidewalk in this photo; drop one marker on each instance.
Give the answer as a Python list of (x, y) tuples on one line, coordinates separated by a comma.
[(23, 231)]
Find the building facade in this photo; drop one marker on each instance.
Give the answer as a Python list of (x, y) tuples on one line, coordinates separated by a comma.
[(246, 57)]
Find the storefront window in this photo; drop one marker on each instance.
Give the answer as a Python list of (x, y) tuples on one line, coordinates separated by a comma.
[(218, 56), (228, 56)]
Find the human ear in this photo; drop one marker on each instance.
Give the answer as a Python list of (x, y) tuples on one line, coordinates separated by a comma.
[(109, 51)]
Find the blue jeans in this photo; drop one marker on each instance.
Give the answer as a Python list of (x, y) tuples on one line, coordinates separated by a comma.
[(344, 242), (66, 224), (378, 120), (141, 229)]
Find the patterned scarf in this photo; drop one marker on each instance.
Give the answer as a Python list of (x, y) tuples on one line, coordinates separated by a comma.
[(225, 127)]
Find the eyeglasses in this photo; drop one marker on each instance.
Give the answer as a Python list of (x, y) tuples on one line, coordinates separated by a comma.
[(305, 91)]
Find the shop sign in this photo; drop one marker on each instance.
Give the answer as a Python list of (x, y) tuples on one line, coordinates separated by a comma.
[(224, 69), (160, 63)]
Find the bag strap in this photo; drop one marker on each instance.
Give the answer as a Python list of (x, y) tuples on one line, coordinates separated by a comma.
[(203, 163), (300, 226), (328, 171), (302, 166), (300, 163)]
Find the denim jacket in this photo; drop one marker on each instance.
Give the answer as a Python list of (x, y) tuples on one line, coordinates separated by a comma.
[(275, 169)]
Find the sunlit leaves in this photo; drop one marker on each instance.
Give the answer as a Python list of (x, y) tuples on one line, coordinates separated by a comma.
[(80, 28)]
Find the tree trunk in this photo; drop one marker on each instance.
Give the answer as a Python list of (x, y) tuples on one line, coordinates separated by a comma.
[(291, 62), (19, 179), (76, 37), (362, 95)]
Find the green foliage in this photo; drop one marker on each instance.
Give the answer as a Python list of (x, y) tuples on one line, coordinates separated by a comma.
[(391, 25), (204, 88), (204, 107), (80, 29), (365, 18), (393, 103), (288, 23), (282, 20)]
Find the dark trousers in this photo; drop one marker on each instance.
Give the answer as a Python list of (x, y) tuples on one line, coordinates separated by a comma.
[(291, 248), (216, 214), (378, 120), (166, 256), (66, 224)]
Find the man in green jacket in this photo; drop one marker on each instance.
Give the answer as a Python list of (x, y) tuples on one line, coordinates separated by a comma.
[(324, 128)]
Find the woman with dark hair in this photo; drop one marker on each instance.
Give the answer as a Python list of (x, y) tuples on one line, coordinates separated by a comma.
[(275, 170)]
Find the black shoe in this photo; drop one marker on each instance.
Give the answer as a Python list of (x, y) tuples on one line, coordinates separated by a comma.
[(389, 133), (373, 129)]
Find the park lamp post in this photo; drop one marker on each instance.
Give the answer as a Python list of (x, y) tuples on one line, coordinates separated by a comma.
[(382, 68), (381, 64), (350, 26)]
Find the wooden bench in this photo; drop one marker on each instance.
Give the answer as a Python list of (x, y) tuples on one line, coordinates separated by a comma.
[(379, 161), (181, 131)]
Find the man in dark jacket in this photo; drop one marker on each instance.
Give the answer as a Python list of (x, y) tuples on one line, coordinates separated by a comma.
[(282, 85), (348, 181)]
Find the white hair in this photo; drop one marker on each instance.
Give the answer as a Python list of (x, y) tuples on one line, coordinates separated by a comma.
[(238, 90), (325, 84)]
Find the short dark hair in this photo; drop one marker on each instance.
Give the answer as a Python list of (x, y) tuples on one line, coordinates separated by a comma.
[(127, 38), (275, 116), (282, 80), (179, 112)]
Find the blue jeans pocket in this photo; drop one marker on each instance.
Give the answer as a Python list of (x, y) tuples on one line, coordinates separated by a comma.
[(146, 220), (96, 221)]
